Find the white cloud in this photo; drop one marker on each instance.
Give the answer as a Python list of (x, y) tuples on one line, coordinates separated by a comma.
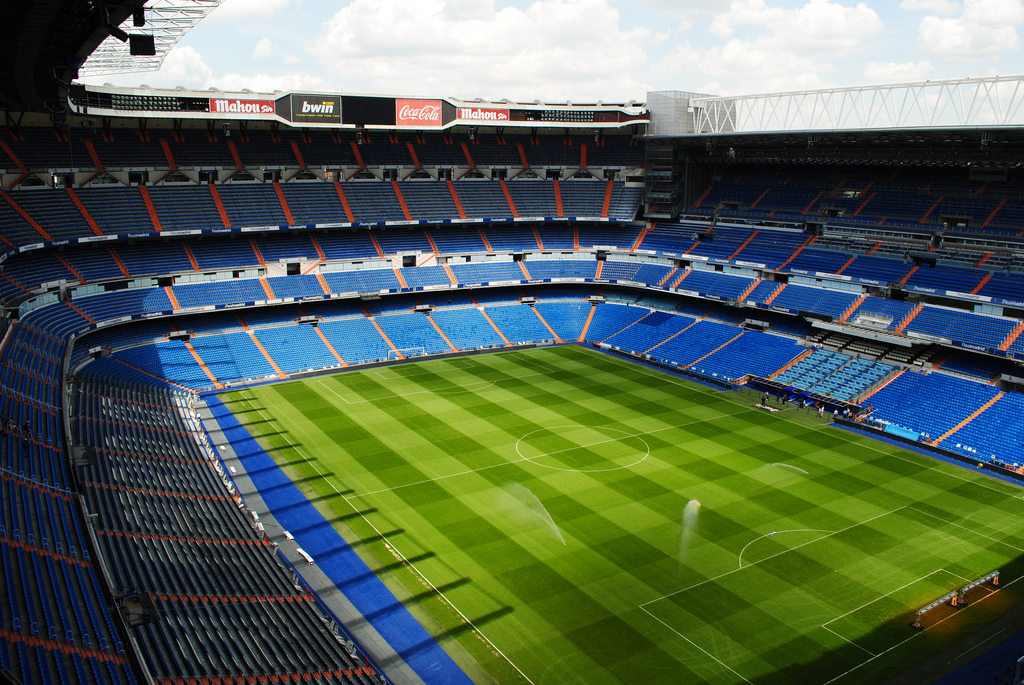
[(781, 48), (818, 23), (553, 49), (292, 59), (985, 29), (895, 72), (934, 6), (745, 67), (235, 10), (264, 48), (183, 66), (268, 83)]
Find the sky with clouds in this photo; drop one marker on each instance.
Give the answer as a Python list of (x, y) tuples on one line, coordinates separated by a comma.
[(587, 50)]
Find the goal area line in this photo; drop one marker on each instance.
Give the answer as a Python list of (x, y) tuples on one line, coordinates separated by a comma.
[(957, 581)]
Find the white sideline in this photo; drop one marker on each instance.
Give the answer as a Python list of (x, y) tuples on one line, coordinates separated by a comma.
[(917, 633), (393, 548), (970, 530), (722, 663), (856, 609), (847, 438)]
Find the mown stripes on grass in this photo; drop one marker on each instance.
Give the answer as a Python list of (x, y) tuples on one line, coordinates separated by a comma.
[(429, 451)]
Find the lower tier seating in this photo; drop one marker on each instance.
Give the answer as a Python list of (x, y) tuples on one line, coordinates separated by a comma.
[(834, 374)]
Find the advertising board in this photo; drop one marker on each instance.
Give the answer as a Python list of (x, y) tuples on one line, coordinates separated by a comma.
[(310, 109), (236, 106), (417, 112), (482, 114)]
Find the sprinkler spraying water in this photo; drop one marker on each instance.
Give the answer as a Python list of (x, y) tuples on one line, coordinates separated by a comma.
[(536, 510), (689, 525)]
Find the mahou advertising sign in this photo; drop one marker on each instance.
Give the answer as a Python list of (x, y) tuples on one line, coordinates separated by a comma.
[(241, 106), (482, 114), (417, 112)]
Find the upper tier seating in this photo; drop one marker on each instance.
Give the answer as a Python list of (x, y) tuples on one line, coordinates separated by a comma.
[(912, 197), (41, 149), (24, 272), (53, 214)]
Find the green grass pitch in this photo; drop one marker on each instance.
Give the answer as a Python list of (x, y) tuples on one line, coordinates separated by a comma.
[(542, 493)]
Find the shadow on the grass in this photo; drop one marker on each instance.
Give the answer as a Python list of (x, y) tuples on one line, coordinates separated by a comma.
[(895, 653)]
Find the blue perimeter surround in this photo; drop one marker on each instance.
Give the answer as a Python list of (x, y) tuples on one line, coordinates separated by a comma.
[(926, 452), (337, 559)]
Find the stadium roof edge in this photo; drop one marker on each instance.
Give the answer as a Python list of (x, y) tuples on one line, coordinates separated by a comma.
[(956, 104), (166, 20), (342, 109), (253, 95)]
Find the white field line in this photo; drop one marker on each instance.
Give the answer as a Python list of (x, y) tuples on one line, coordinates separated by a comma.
[(901, 587), (394, 548), (469, 387), (522, 459), (785, 551), (970, 530), (706, 652), (990, 637), (458, 363), (919, 632), (847, 640), (791, 530), (846, 438)]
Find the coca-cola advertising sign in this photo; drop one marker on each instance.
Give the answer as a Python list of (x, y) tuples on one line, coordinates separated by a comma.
[(482, 114), (417, 112), (226, 106)]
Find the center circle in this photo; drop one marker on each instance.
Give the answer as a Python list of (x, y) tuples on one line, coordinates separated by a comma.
[(588, 449)]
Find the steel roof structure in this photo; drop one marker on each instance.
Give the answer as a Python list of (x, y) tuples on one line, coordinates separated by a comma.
[(166, 20), (986, 102)]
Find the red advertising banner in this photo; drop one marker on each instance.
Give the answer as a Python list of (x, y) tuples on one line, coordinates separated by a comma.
[(417, 112), (241, 106), (482, 114)]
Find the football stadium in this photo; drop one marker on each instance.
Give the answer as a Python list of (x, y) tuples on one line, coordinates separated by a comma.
[(379, 389)]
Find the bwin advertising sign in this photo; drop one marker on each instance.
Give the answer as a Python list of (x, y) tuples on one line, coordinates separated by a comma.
[(314, 109)]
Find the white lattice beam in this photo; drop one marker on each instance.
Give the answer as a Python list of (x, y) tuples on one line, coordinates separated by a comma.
[(987, 102), (166, 20)]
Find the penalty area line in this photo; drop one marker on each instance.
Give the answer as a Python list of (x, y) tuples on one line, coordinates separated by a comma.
[(921, 632), (901, 587), (847, 640)]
